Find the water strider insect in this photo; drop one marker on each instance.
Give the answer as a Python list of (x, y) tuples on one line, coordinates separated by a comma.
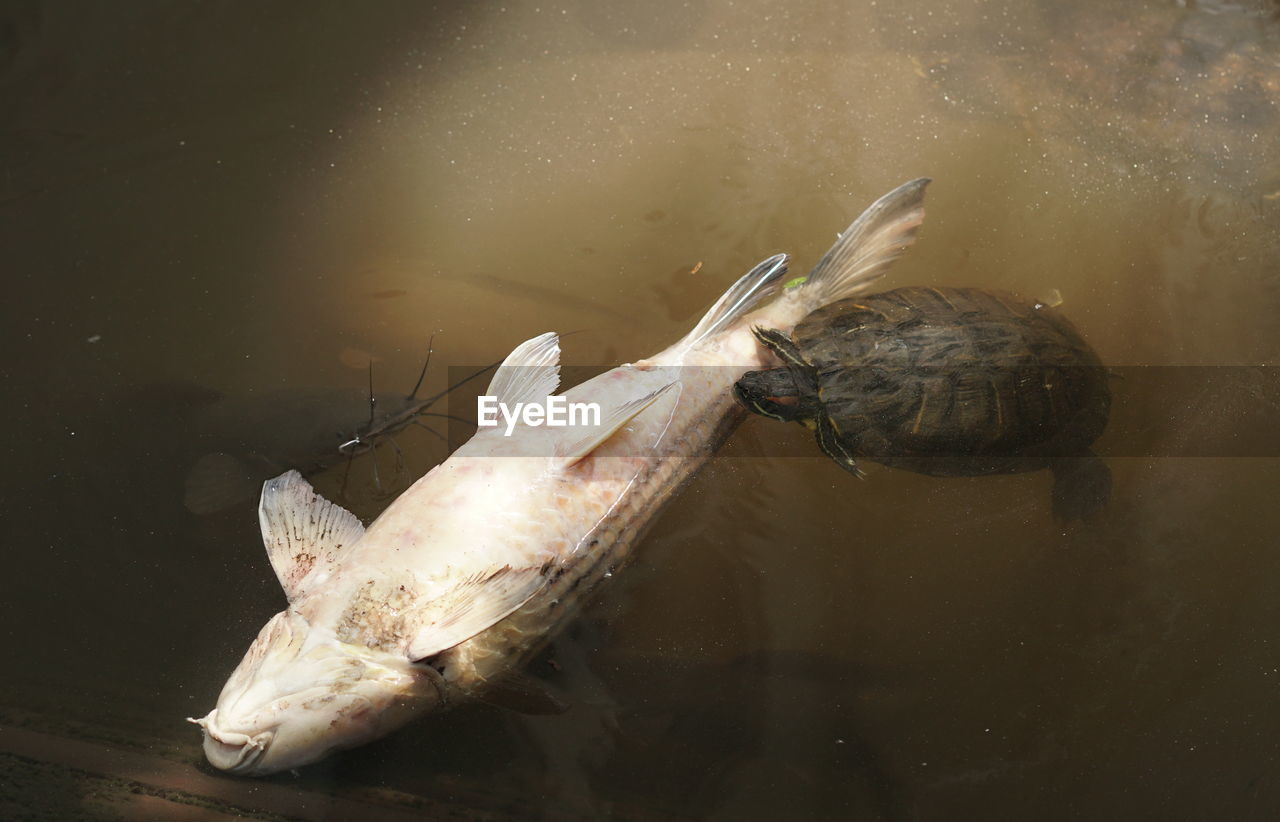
[(248, 439), (366, 439)]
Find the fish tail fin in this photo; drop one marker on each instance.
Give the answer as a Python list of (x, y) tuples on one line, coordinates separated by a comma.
[(867, 248), (756, 285)]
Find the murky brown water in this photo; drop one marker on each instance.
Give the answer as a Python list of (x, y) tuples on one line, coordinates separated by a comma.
[(209, 213)]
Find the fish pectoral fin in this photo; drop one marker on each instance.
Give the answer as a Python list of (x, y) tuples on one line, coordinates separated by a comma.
[(474, 604), (578, 442), (302, 529), (530, 373), (523, 693)]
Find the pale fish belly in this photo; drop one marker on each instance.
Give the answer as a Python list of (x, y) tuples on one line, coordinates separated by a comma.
[(629, 479)]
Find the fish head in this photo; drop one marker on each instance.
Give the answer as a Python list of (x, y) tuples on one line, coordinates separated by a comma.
[(300, 694)]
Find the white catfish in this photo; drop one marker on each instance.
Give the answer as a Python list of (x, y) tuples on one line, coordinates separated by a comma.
[(471, 569)]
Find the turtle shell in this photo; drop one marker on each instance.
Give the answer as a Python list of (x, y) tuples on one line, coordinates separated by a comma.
[(960, 373)]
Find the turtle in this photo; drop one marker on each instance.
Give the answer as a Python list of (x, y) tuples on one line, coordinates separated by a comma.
[(945, 382)]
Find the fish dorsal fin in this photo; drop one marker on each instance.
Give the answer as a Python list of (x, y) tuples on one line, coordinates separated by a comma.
[(473, 604), (867, 248), (302, 530), (530, 373), (757, 284), (579, 441)]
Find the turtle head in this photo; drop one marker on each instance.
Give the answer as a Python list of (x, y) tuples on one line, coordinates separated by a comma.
[(774, 393)]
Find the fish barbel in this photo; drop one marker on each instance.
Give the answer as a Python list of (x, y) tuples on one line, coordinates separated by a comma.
[(477, 564)]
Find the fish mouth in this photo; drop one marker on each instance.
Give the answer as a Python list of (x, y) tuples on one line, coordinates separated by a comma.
[(231, 751)]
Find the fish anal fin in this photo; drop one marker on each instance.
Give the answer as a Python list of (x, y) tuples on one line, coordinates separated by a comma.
[(579, 441), (302, 530), (530, 373), (461, 612)]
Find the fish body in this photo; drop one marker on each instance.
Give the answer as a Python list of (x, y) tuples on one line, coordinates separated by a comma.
[(472, 568)]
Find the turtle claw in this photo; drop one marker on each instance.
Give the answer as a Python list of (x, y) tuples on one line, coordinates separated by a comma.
[(849, 464), (831, 444)]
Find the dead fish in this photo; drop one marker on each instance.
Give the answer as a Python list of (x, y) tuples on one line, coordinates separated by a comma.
[(477, 564)]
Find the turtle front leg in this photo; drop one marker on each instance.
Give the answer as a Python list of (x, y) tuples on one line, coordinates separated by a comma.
[(831, 444), (780, 344)]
